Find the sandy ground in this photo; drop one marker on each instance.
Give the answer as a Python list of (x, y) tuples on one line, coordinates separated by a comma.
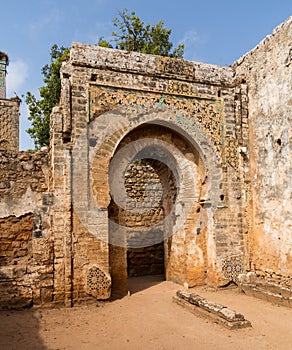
[(148, 319)]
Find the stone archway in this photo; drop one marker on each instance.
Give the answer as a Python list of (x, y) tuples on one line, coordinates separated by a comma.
[(105, 97), (158, 224), (103, 140)]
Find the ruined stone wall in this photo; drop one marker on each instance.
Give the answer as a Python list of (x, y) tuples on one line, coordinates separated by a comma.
[(26, 270), (268, 72), (225, 135), (2, 83), (9, 123)]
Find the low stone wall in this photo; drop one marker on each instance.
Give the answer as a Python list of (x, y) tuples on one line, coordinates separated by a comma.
[(15, 255), (26, 269), (277, 291)]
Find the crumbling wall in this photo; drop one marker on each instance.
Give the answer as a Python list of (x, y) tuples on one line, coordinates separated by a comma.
[(268, 72), (26, 270), (9, 123)]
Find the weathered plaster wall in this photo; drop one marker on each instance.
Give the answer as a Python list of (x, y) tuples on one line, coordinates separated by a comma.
[(9, 123), (26, 270), (268, 72)]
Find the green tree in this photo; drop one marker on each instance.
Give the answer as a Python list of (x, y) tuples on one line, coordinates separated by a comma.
[(133, 35), (40, 110)]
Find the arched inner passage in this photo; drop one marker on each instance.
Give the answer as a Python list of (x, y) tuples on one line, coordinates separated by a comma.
[(153, 175), (152, 191)]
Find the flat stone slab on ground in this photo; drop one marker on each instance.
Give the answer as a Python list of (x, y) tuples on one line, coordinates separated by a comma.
[(217, 313)]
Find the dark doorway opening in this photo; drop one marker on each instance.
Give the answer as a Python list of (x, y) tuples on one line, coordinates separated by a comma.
[(146, 261)]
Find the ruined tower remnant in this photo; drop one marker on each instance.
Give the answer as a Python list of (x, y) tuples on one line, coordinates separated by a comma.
[(4, 61), (9, 111)]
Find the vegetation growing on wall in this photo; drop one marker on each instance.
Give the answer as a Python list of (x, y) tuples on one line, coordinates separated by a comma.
[(131, 34), (134, 35)]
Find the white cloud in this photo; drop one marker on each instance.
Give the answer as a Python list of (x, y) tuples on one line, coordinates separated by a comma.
[(190, 38), (17, 75)]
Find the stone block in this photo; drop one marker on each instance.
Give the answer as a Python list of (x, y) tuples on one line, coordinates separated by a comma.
[(215, 312)]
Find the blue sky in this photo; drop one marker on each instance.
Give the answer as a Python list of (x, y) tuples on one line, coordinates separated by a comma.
[(216, 32)]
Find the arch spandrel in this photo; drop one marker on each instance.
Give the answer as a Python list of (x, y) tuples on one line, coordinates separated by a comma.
[(117, 124), (205, 111)]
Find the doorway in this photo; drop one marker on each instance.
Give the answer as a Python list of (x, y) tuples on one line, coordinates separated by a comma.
[(152, 220)]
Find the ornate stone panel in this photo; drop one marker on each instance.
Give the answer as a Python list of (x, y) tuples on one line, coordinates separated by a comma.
[(232, 267), (98, 283), (208, 112)]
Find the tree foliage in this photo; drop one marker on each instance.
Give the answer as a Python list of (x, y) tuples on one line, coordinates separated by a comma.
[(40, 110), (133, 35)]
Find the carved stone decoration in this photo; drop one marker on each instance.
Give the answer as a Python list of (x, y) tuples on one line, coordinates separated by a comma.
[(175, 66), (207, 112), (231, 152), (232, 267), (98, 283)]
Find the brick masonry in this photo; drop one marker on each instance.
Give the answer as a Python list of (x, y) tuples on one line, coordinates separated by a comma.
[(9, 111), (4, 62)]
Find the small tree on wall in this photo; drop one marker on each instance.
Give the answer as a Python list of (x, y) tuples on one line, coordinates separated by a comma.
[(131, 34)]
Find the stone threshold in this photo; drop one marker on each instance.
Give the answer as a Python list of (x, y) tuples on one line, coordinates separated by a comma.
[(217, 313)]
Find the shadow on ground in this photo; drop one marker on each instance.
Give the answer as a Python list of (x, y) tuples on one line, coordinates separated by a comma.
[(138, 284), (19, 330)]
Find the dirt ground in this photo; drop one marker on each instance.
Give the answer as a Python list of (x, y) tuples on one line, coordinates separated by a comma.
[(147, 319)]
